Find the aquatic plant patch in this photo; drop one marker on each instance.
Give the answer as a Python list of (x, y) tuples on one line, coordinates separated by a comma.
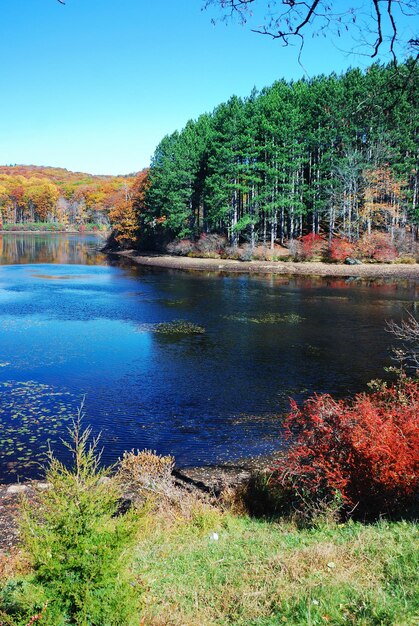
[(32, 417), (268, 318), (179, 327)]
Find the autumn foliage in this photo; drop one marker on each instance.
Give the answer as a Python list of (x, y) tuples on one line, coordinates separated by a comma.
[(341, 249), (377, 246), (364, 451), (128, 205), (312, 247), (31, 194)]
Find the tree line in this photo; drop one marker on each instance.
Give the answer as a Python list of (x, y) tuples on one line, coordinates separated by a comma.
[(31, 194), (332, 156)]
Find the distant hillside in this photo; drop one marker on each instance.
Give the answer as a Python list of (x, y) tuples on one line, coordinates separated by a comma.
[(30, 193)]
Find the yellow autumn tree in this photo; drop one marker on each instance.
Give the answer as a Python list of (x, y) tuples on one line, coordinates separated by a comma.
[(383, 197), (128, 204)]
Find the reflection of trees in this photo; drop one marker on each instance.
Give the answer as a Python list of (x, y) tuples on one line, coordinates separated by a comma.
[(34, 248)]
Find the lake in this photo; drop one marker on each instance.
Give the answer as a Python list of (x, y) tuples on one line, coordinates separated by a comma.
[(76, 325)]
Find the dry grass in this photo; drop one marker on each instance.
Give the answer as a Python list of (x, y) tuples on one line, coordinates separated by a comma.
[(147, 479), (13, 563)]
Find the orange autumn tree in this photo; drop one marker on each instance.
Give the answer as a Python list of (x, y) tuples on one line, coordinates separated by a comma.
[(383, 198), (127, 207)]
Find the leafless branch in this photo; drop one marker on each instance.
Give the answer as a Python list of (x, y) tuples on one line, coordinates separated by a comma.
[(379, 40), (286, 20), (407, 332), (394, 27)]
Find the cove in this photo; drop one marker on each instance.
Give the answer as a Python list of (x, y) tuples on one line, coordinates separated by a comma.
[(75, 324)]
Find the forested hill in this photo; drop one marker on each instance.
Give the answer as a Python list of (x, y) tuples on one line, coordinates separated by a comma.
[(333, 155), (58, 197)]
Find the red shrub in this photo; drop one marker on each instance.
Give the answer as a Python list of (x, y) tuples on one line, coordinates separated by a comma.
[(377, 246), (341, 249), (312, 247), (367, 450)]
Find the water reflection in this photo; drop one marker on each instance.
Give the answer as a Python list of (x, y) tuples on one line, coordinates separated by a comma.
[(24, 248)]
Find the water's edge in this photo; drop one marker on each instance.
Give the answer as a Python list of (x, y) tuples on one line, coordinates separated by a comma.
[(377, 270)]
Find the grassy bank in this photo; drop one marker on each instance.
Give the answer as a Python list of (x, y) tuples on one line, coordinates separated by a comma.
[(195, 564), (264, 573)]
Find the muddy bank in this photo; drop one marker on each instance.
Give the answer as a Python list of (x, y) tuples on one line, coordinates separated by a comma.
[(10, 502), (365, 270)]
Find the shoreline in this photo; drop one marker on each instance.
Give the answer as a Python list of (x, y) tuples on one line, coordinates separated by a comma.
[(54, 232), (205, 479), (229, 266)]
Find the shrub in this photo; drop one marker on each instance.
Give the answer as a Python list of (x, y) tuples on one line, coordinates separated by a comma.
[(77, 547), (341, 249), (363, 451), (90, 227), (312, 247), (180, 247), (211, 244), (406, 260), (34, 226), (144, 472), (246, 253), (405, 243), (376, 247), (231, 252)]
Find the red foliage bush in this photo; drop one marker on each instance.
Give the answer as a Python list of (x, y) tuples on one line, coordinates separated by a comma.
[(377, 246), (312, 247), (341, 249), (366, 450)]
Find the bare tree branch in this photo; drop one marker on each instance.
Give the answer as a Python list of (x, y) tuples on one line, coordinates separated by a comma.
[(394, 27), (379, 40), (407, 332), (286, 20)]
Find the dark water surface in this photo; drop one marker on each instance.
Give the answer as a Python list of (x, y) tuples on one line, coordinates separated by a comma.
[(72, 324)]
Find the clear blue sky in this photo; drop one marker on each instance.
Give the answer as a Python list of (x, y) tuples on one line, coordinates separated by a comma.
[(94, 85)]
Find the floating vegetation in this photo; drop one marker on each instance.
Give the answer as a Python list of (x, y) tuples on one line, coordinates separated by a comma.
[(313, 350), (179, 327), (174, 303), (268, 318), (175, 328), (60, 276), (32, 416)]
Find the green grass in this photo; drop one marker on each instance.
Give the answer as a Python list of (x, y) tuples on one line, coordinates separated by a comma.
[(260, 573)]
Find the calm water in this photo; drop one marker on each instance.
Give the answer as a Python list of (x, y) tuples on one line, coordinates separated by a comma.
[(72, 326)]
